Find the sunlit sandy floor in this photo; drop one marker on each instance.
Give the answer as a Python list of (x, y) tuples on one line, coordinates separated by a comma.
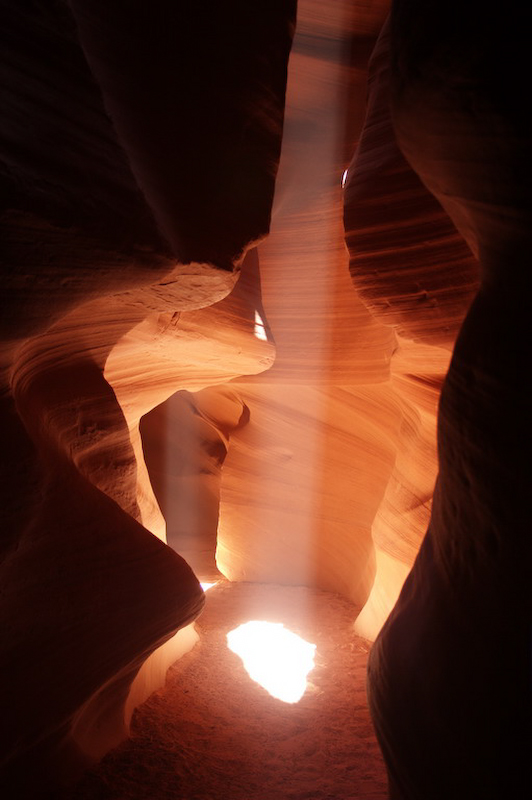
[(214, 733)]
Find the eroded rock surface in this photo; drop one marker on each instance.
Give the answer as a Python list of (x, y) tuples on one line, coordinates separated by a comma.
[(415, 272), (293, 423), (131, 193), (450, 672)]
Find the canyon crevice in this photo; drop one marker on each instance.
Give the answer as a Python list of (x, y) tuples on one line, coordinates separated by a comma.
[(264, 311)]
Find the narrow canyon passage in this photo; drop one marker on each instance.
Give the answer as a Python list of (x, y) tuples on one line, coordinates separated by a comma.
[(212, 732), (264, 313)]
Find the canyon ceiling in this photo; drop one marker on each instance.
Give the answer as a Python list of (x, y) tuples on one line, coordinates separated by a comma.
[(265, 304)]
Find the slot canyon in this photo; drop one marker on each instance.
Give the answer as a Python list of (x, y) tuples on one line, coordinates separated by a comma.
[(265, 379)]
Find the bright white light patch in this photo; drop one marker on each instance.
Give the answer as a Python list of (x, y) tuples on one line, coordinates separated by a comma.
[(206, 586), (260, 330), (344, 177), (274, 657)]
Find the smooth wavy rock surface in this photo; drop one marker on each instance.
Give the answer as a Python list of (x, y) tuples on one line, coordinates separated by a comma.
[(352, 415), (449, 675), (124, 205)]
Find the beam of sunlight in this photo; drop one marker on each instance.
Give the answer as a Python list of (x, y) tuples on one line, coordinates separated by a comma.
[(344, 177), (274, 657), (207, 586)]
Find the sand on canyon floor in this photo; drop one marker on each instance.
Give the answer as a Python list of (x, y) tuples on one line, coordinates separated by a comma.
[(212, 732)]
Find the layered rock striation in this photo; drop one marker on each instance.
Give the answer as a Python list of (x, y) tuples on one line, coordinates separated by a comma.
[(449, 675), (288, 428), (127, 200), (415, 272)]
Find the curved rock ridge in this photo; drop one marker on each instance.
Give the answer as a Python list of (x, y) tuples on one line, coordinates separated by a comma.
[(409, 264), (365, 433), (449, 674), (107, 268), (415, 273), (188, 352), (80, 399), (401, 520)]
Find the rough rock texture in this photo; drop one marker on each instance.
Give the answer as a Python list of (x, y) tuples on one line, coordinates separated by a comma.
[(103, 169)]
